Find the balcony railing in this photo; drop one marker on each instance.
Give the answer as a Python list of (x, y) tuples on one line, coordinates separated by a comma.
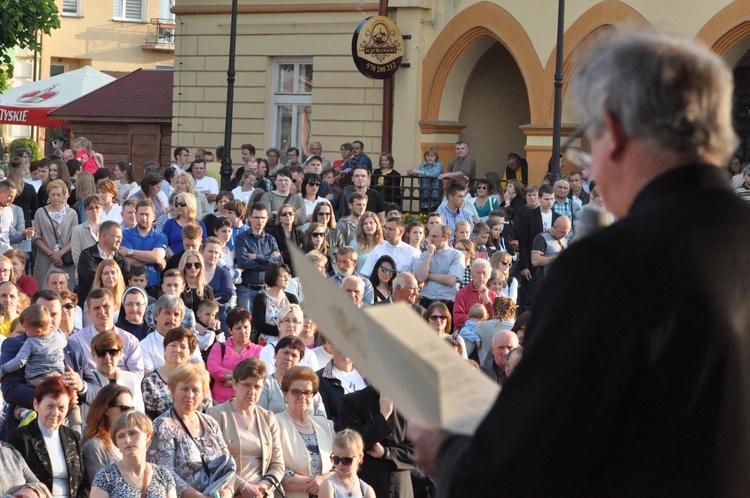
[(413, 194), (160, 36)]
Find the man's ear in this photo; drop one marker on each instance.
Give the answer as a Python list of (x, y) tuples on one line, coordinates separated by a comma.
[(616, 136)]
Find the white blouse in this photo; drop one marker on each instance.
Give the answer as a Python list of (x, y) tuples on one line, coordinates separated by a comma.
[(60, 483)]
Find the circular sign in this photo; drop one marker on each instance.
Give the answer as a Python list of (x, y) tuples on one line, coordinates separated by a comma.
[(377, 47)]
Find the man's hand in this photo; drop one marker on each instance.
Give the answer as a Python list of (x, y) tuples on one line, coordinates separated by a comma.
[(525, 273), (386, 406), (431, 249), (376, 451), (427, 443), (484, 293)]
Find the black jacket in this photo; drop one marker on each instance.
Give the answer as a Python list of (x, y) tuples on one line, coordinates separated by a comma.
[(87, 264), (30, 443), (647, 392), (527, 225)]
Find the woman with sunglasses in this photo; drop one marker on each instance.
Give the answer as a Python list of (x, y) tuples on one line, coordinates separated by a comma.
[(439, 319), (68, 312), (323, 213), (286, 233), (185, 212), (382, 277), (310, 190), (502, 262), (193, 270), (483, 202), (307, 440), (315, 241), (106, 348), (98, 448), (185, 183)]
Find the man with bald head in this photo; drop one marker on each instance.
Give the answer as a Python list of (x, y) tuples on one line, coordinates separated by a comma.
[(503, 342), (354, 288)]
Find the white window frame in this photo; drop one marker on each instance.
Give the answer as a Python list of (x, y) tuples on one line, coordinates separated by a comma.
[(122, 7), (77, 13), (295, 99)]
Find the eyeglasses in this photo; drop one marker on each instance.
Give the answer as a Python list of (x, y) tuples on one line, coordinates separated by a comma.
[(287, 213), (481, 187), (438, 318), (190, 266), (293, 321), (347, 461), (319, 234), (389, 271), (123, 408), (180, 204), (324, 214), (101, 353), (69, 306), (297, 393)]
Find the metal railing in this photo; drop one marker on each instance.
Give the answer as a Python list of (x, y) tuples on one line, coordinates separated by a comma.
[(161, 33), (414, 194)]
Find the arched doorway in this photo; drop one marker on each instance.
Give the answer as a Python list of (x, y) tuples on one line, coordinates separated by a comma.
[(494, 105)]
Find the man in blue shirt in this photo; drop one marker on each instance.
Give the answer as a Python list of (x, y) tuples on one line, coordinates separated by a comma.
[(143, 246), (453, 211), (358, 158), (253, 250)]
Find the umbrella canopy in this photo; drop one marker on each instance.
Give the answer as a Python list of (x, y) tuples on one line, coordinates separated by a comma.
[(29, 104)]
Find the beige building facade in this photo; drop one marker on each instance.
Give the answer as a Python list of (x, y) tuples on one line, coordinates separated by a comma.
[(481, 71), (108, 35)]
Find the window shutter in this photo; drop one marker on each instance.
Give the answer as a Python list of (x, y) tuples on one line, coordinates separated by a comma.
[(70, 6), (117, 10), (134, 10)]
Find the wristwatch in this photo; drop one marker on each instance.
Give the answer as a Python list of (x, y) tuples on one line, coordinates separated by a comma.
[(130, 252)]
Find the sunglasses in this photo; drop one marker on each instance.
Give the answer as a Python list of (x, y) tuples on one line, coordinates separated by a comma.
[(438, 318), (389, 271), (324, 214), (101, 353), (287, 213), (314, 184), (506, 263), (481, 187), (123, 408), (319, 234), (190, 266), (69, 306), (180, 204), (347, 461)]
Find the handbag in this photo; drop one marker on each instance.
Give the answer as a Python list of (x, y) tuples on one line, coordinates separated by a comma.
[(217, 473), (67, 258)]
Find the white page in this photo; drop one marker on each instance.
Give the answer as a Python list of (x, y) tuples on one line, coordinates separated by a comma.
[(397, 351)]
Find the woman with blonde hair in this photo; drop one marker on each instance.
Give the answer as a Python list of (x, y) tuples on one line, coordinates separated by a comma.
[(185, 212), (193, 270), (369, 236), (54, 225), (111, 210), (323, 213), (108, 276), (85, 186), (185, 182)]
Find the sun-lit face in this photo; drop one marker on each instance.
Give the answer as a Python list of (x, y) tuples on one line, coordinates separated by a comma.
[(211, 254), (109, 277), (51, 412), (248, 391), (177, 352), (416, 236), (241, 332), (369, 226), (188, 396)]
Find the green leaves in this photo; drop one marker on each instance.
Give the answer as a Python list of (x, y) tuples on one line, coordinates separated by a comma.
[(20, 21)]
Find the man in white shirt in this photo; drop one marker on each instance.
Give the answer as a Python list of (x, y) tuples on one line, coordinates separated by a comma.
[(101, 309), (181, 159), (402, 253), (168, 314), (204, 183)]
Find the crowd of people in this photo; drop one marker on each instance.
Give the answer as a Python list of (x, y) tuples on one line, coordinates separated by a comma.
[(154, 336)]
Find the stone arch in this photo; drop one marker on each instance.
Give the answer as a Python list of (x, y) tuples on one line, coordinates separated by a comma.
[(460, 44), (727, 33), (593, 23)]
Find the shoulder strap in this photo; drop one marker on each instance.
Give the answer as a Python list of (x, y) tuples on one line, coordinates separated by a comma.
[(52, 222), (146, 479), (187, 431), (223, 349)]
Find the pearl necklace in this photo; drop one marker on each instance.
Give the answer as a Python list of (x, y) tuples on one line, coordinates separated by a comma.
[(299, 424)]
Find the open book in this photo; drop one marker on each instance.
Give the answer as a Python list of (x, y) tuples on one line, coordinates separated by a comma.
[(395, 349)]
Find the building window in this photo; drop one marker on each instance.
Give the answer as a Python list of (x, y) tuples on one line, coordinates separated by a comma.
[(292, 102), (72, 8), (130, 10), (55, 69)]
